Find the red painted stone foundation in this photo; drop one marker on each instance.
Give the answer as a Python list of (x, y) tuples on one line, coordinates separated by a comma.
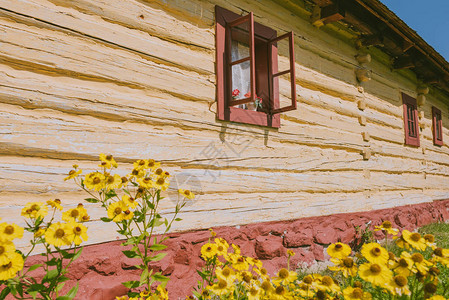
[(101, 268)]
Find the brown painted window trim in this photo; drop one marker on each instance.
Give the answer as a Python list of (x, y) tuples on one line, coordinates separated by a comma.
[(411, 125), (437, 126), (263, 71)]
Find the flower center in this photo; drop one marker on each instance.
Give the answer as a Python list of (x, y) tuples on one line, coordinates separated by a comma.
[(338, 247), (85, 218), (74, 213), (438, 252), (357, 293), (400, 280), (348, 262), (240, 259), (430, 288), (376, 251), (109, 157), (7, 266), (434, 271), (253, 291), (117, 211), (158, 171), (403, 263), (220, 248), (209, 248), (77, 230), (72, 172), (307, 280), (266, 285), (58, 201), (146, 180), (187, 192), (375, 269), (327, 281), (415, 237), (124, 179), (386, 224), (59, 233), (161, 181), (127, 212), (9, 229), (35, 207), (283, 273), (135, 172), (226, 272), (110, 179), (321, 295), (141, 162), (222, 284), (430, 238), (358, 284), (280, 290), (151, 163), (417, 257), (263, 271), (96, 180)]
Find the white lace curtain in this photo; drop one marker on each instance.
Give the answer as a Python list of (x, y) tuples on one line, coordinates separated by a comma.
[(240, 72)]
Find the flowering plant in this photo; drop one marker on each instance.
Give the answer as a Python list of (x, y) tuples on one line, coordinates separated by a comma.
[(415, 269), (132, 203), (53, 236), (257, 101)]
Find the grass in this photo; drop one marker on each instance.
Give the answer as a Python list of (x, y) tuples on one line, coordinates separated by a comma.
[(440, 231)]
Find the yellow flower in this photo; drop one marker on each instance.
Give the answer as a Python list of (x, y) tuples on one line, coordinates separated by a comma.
[(10, 269), (153, 165), (162, 293), (290, 253), (346, 266), (387, 227), (403, 267), (254, 262), (414, 239), (377, 274), (129, 201), (398, 285), (253, 293), (59, 234), (40, 232), (339, 250), (74, 214), (208, 251), (375, 253), (327, 284), (107, 161), (401, 243), (161, 183), (417, 260), (285, 277), (441, 255), (226, 274), (72, 174), (94, 181), (266, 287), (6, 249), (351, 293), (55, 203), (436, 297), (239, 262), (79, 232), (222, 246), (187, 194), (119, 211), (140, 164), (34, 210), (280, 293), (221, 288), (113, 182), (430, 241), (137, 173), (8, 232), (146, 182)]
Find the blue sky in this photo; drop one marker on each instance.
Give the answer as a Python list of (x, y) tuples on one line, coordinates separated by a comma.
[(430, 19)]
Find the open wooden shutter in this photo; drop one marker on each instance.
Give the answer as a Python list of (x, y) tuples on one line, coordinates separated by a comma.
[(274, 74), (437, 126), (411, 125), (251, 58)]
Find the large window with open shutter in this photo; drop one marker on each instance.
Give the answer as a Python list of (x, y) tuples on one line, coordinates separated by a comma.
[(248, 74), (411, 125)]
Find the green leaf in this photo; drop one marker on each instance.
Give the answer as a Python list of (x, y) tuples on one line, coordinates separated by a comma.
[(66, 254), (92, 200), (104, 219), (50, 275), (77, 254), (4, 292), (130, 253), (131, 284), (72, 293), (157, 247), (143, 276), (178, 219), (161, 278), (157, 257), (60, 286), (34, 267)]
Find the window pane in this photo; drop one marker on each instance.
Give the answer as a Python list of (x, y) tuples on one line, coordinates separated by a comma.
[(438, 128), (239, 50), (241, 81)]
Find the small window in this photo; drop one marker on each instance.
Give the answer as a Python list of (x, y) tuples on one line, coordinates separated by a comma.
[(437, 126), (247, 70), (410, 120)]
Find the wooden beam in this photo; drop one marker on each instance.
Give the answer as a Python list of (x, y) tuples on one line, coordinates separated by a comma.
[(371, 40), (403, 62), (332, 13)]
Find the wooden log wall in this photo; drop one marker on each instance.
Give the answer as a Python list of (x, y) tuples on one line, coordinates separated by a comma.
[(136, 79)]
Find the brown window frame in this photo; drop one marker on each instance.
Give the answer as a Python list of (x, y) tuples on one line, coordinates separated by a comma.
[(411, 125), (263, 71), (437, 126)]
